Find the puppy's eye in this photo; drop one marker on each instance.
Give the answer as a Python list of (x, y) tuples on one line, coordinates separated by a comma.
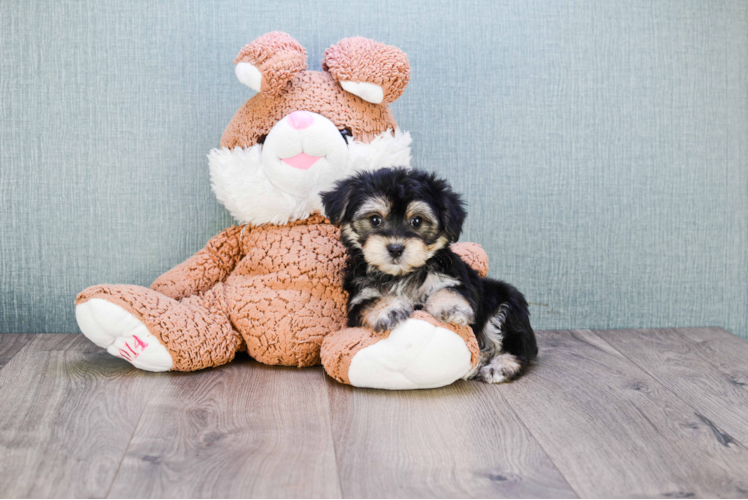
[(375, 220), (416, 222)]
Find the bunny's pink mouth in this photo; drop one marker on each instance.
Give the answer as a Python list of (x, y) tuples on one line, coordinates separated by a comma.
[(301, 160)]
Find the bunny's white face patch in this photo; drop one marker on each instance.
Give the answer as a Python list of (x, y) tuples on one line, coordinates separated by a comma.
[(269, 184), (304, 152)]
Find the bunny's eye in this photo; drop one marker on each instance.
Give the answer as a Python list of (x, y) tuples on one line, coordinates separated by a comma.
[(346, 133)]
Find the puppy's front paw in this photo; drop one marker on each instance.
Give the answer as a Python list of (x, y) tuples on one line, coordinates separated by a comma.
[(387, 313), (393, 318), (450, 307), (501, 368)]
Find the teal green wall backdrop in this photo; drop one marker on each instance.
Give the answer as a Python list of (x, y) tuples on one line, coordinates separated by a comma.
[(602, 145)]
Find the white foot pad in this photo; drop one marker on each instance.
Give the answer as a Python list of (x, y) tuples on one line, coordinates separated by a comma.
[(416, 355), (122, 335)]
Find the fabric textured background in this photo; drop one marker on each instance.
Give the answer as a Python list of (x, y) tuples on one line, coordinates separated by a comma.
[(602, 145)]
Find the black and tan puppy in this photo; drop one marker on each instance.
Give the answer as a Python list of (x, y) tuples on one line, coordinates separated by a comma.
[(397, 225)]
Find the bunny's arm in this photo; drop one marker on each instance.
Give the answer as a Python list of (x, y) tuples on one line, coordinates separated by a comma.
[(203, 270), (473, 255)]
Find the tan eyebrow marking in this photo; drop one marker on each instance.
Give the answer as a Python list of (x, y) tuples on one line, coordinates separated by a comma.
[(377, 204), (420, 208)]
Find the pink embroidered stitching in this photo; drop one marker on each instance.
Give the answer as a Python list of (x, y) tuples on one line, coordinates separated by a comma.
[(138, 344)]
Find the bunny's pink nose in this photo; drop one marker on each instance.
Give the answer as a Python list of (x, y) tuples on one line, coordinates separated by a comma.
[(300, 120)]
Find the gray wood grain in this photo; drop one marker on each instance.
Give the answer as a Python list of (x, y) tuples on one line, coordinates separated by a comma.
[(706, 367), (457, 441), (10, 344), (242, 430), (723, 349), (614, 431), (68, 412), (620, 413)]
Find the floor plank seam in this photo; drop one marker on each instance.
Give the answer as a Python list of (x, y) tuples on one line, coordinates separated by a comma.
[(332, 433), (25, 343), (540, 445), (662, 384), (134, 431)]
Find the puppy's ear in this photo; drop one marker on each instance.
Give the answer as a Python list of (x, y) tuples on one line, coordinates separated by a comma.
[(453, 214), (335, 202)]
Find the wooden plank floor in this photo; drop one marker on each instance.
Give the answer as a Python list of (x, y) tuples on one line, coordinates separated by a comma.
[(626, 413)]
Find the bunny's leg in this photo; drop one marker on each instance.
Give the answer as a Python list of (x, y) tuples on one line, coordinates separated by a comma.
[(420, 353), (155, 332)]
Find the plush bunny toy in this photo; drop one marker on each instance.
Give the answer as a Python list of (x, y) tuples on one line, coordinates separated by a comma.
[(272, 286)]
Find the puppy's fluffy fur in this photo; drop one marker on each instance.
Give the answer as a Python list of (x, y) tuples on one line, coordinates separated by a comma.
[(397, 225)]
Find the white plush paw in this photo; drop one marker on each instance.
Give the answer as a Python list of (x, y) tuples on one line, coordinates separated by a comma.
[(500, 368), (416, 355), (122, 334)]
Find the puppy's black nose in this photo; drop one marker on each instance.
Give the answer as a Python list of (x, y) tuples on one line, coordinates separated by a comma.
[(396, 249)]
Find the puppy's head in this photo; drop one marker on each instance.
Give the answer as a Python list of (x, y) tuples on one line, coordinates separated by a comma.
[(398, 218)]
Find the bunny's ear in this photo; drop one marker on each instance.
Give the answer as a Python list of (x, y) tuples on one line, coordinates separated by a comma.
[(268, 63), (375, 72)]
